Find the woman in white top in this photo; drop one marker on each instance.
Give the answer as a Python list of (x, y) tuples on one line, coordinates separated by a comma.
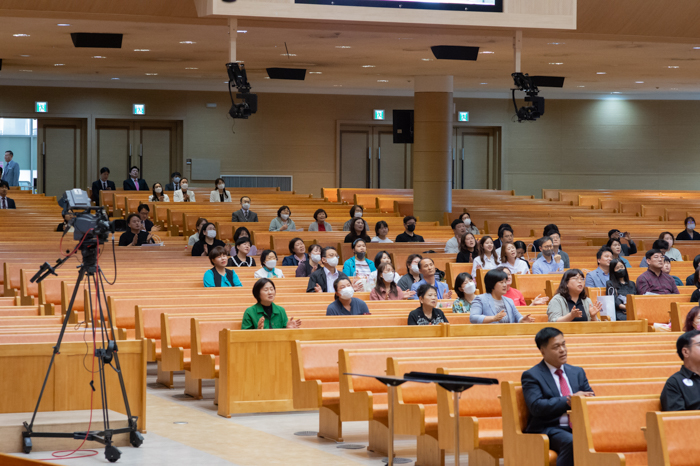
[(158, 195), (382, 257), (268, 259), (182, 194), (486, 259), (220, 194), (509, 259), (382, 230), (198, 227), (672, 253)]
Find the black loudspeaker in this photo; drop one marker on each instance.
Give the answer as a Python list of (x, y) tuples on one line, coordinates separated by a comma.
[(294, 74), (403, 126), (455, 52), (547, 81), (97, 40)]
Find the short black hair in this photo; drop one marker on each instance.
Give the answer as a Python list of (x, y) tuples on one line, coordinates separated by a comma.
[(216, 252), (318, 211), (667, 259), (504, 227), (378, 258), (292, 243), (696, 261), (284, 207), (265, 253), (602, 250), (424, 288), (357, 240), (128, 218), (325, 250), (135, 168), (549, 227), (143, 207), (10, 152), (520, 245), (239, 231), (459, 282), (378, 225), (543, 336), (337, 282), (354, 208), (5, 184), (174, 174), (259, 285), (684, 341), (552, 232), (651, 252), (243, 197), (544, 239), (660, 244), (612, 232), (456, 222), (242, 240), (687, 219), (104, 170), (411, 258), (313, 246), (492, 277), (408, 218)]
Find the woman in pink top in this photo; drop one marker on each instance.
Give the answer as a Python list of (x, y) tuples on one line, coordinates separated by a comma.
[(516, 295), (386, 288)]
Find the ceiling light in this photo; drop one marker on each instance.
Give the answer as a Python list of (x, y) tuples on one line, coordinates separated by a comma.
[(696, 48), (673, 66), (343, 47), (115, 79), (368, 66), (98, 56), (20, 35), (427, 59), (601, 72), (63, 24), (580, 86), (59, 64), (242, 31), (487, 51), (556, 43), (189, 42), (614, 92), (26, 71), (315, 72), (191, 68), (382, 80), (639, 82), (337, 85), (25, 56), (267, 77), (151, 74), (556, 63), (288, 54), (142, 50)]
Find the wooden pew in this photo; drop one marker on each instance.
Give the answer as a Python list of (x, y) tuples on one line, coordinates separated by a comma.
[(668, 439)]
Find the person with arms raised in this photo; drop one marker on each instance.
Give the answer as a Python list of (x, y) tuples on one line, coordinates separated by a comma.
[(174, 184), (486, 259), (598, 277), (381, 229), (207, 241), (357, 231), (465, 288), (244, 214), (240, 257), (268, 260), (620, 286), (427, 270), (427, 313), (627, 249), (134, 236), (459, 229), (282, 222), (184, 194), (103, 184), (409, 225), (654, 280), (493, 307), (344, 303), (320, 223), (468, 249), (134, 183), (297, 249), (266, 314), (548, 388), (385, 285), (158, 195), (219, 276), (306, 268), (570, 303), (682, 389), (689, 233), (516, 295), (413, 274), (6, 202), (321, 281), (467, 220), (356, 211), (548, 262)]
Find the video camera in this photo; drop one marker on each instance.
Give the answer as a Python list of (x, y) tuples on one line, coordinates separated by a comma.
[(238, 78), (524, 83), (87, 225)]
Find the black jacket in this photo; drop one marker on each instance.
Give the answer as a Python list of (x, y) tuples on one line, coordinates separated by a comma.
[(97, 187), (10, 203), (319, 277), (130, 186)]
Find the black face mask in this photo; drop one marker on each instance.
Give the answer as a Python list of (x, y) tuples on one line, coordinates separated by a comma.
[(360, 255), (620, 273), (410, 228)]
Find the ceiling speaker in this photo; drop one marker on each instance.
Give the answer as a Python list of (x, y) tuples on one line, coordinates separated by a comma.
[(548, 81), (97, 40), (294, 74), (0, 63), (455, 52)]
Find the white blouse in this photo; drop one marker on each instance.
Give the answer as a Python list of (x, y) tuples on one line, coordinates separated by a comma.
[(519, 267), (489, 263)]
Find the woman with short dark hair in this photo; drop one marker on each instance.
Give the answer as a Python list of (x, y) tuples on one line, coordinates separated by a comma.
[(282, 222), (266, 314), (243, 231), (381, 229), (356, 211), (320, 224), (268, 260), (297, 249), (427, 313), (219, 275), (306, 268), (571, 304), (493, 306), (465, 287), (240, 258)]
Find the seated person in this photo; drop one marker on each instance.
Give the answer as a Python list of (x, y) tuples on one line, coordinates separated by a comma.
[(408, 236), (219, 276), (459, 229), (413, 274), (344, 304), (570, 303), (266, 314), (627, 249), (692, 320), (659, 244), (134, 236), (356, 211), (67, 217), (427, 270), (467, 220), (358, 230), (320, 223), (427, 313), (146, 224), (598, 277), (198, 230), (158, 195), (486, 259), (689, 233), (306, 268), (240, 257), (548, 262), (244, 214), (521, 248), (682, 389), (207, 241), (517, 296), (6, 202), (321, 281), (468, 249), (297, 249), (620, 286), (548, 388), (174, 184), (692, 280), (556, 242), (547, 229), (385, 287), (282, 222), (381, 229), (695, 297), (499, 241), (505, 236), (379, 258), (243, 231), (616, 248), (219, 194), (667, 270), (184, 194), (672, 253), (654, 281), (509, 259), (465, 288), (493, 306), (359, 265), (268, 259)]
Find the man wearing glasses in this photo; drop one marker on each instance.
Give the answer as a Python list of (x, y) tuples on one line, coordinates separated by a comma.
[(548, 262), (682, 389), (654, 281)]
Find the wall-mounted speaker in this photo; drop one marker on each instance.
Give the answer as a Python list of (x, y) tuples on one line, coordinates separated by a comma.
[(403, 126)]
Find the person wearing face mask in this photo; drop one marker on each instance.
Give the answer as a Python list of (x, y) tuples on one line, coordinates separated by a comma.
[(409, 225), (134, 183), (244, 214), (158, 195), (516, 295), (427, 313), (207, 241), (548, 262), (297, 250), (556, 242), (467, 220), (465, 288), (266, 314), (282, 222), (183, 194), (321, 281), (379, 258), (220, 194), (268, 259), (198, 230), (344, 303), (692, 320), (219, 275), (306, 268), (427, 270), (689, 233), (241, 258), (570, 303), (381, 229), (358, 231), (413, 272), (385, 287), (468, 249), (493, 307), (174, 184), (356, 211), (620, 286), (359, 265), (320, 223)]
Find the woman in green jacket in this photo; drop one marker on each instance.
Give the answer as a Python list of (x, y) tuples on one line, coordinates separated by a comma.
[(266, 314)]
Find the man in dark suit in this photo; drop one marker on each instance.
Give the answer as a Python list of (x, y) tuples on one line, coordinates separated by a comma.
[(244, 214), (174, 184), (321, 281), (5, 202), (548, 388), (134, 183), (102, 184)]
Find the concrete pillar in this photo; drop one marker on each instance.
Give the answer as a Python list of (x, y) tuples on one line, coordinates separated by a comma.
[(432, 147)]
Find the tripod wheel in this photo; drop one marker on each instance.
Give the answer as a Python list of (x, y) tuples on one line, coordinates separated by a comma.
[(136, 439), (112, 453), (27, 445)]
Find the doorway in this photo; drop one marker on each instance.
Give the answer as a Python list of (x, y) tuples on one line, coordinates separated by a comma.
[(62, 144), (19, 136), (476, 160)]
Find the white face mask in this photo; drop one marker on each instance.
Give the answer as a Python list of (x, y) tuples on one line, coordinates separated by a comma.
[(316, 258), (691, 226), (358, 214), (332, 261), (221, 186), (176, 179), (414, 268), (211, 233), (347, 292), (159, 190), (184, 185), (467, 221), (271, 263), (388, 277), (469, 287), (284, 216), (246, 205)]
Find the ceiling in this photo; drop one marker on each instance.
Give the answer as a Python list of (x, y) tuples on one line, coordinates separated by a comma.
[(644, 47)]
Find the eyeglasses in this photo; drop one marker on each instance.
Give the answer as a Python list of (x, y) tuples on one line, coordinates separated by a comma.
[(578, 278)]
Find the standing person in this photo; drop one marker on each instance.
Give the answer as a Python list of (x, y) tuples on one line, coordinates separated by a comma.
[(689, 233), (413, 274), (548, 262), (468, 249), (306, 268), (493, 307), (240, 258), (381, 229), (654, 280), (515, 294), (459, 229), (467, 220), (427, 313), (134, 236), (297, 251), (6, 202), (570, 303), (672, 253), (174, 184), (620, 286), (282, 222), (207, 241), (321, 281), (134, 183), (682, 389), (10, 171), (184, 194), (158, 195), (427, 270), (598, 277), (196, 236), (103, 184), (219, 194), (268, 260), (244, 214), (358, 231), (465, 288), (219, 276), (385, 287), (486, 259), (409, 225), (616, 249), (509, 259), (320, 223), (344, 303), (627, 249), (356, 211), (548, 388), (266, 314)]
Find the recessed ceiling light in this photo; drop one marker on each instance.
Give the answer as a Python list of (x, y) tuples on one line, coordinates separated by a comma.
[(337, 85), (382, 80), (614, 92), (115, 79), (696, 48), (26, 71), (556, 63), (483, 83), (673, 66), (427, 59), (639, 82), (142, 50), (242, 31), (580, 86), (191, 68), (98, 56), (368, 66), (189, 42), (487, 52), (25, 56), (315, 72), (20, 35), (151, 74), (601, 72), (288, 54), (674, 88), (267, 77), (556, 43), (63, 24), (59, 64), (343, 46)]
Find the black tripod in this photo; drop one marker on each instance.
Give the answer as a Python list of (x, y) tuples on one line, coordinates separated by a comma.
[(105, 354)]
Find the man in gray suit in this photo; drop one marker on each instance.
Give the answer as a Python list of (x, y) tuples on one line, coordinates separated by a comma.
[(10, 172), (244, 214)]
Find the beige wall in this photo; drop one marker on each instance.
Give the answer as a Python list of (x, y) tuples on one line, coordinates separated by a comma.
[(577, 144)]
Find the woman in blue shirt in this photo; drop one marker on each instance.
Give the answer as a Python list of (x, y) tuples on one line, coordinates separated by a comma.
[(492, 307), (219, 275)]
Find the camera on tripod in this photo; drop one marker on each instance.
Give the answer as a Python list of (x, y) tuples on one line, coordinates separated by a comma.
[(86, 224)]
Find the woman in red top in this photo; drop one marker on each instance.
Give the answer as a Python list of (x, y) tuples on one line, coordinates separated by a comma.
[(516, 295)]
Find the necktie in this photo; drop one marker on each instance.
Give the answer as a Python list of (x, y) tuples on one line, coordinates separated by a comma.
[(4, 203), (245, 214), (136, 183), (563, 386)]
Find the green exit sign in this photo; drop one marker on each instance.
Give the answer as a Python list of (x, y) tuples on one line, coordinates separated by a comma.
[(463, 116), (379, 114), (41, 107), (139, 109)]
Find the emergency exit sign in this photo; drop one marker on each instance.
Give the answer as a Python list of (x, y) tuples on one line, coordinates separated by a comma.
[(41, 107), (379, 114), (139, 109), (463, 116)]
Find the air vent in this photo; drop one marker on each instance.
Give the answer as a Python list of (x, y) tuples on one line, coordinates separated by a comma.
[(548, 81), (287, 73), (97, 40), (455, 52), (285, 183)]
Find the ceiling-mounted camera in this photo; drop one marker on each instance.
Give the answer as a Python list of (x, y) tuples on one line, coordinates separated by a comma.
[(524, 83), (238, 78)]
